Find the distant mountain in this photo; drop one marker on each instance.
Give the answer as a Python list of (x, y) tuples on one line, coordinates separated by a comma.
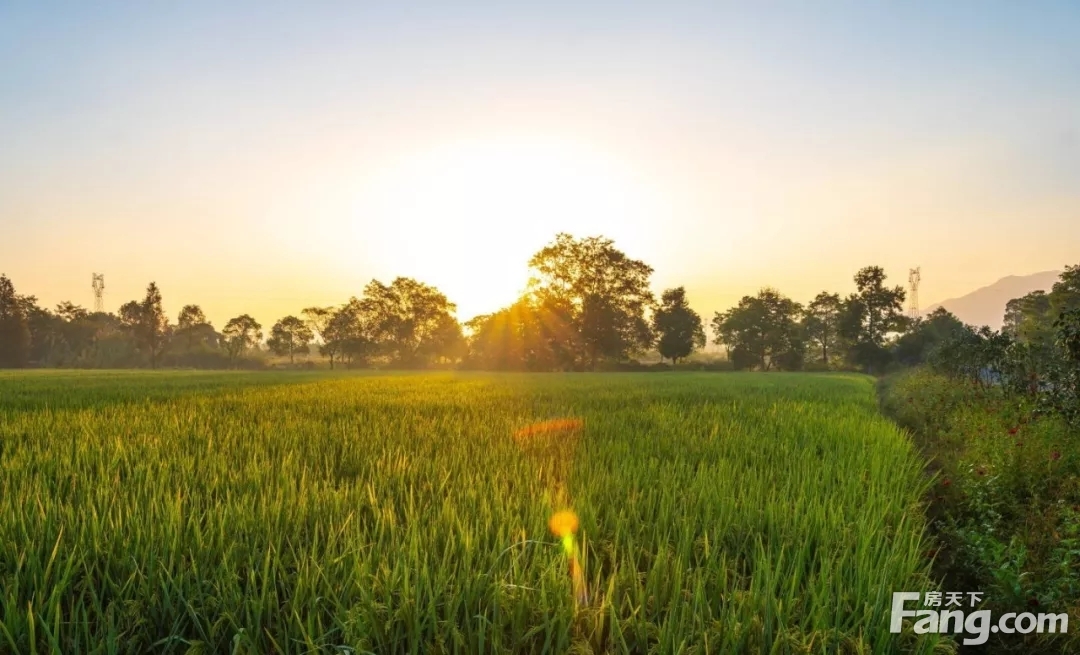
[(986, 306)]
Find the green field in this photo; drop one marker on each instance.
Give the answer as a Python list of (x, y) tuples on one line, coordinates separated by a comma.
[(298, 513)]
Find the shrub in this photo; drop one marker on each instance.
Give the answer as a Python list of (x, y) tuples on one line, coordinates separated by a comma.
[(1006, 504)]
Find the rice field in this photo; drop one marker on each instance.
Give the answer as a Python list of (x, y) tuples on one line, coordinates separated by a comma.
[(189, 512)]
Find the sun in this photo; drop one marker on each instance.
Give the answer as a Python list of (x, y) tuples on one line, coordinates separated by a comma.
[(465, 215)]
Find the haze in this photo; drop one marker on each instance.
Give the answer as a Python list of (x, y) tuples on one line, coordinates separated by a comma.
[(262, 159)]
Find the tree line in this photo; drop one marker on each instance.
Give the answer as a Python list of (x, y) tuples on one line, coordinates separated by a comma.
[(588, 306), (1035, 355)]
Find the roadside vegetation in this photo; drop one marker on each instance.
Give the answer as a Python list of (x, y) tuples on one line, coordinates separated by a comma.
[(998, 414)]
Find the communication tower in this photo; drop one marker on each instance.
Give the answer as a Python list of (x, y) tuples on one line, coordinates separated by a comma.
[(99, 292), (914, 276)]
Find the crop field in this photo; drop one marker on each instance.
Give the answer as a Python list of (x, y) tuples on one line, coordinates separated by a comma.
[(179, 512)]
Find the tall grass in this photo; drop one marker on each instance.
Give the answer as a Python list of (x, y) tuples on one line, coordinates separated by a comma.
[(255, 513)]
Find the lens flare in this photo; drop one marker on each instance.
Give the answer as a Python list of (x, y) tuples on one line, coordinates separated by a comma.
[(548, 427), (551, 444), (564, 524)]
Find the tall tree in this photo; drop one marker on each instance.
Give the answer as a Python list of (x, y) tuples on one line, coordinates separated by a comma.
[(762, 330), (412, 323), (822, 322), (240, 334), (155, 324), (289, 336), (147, 323), (606, 293), (678, 328), (870, 314), (881, 309), (14, 327)]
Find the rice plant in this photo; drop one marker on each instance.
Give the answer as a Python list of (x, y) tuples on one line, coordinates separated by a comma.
[(398, 513)]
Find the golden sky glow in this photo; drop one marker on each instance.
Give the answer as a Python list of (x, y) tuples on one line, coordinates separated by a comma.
[(468, 213), (294, 155)]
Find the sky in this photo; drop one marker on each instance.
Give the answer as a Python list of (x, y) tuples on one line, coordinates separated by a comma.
[(257, 157)]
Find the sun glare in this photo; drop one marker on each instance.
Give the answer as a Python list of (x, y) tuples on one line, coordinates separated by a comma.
[(467, 215)]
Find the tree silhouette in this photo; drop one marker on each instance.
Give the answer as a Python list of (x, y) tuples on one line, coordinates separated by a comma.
[(822, 322), (871, 313), (678, 328), (14, 328), (240, 334), (763, 330), (605, 292), (147, 324), (412, 323), (289, 336)]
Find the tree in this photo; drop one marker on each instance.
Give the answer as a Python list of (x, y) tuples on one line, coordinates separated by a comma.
[(289, 336), (194, 330), (14, 328), (870, 314), (927, 334), (763, 330), (498, 340), (335, 330), (346, 336), (678, 328), (529, 335), (190, 316), (155, 325), (62, 337), (1030, 319), (882, 308), (147, 324), (49, 338), (131, 315), (605, 292), (1027, 319), (412, 323), (241, 333), (102, 341), (71, 312), (1065, 294), (317, 318), (821, 322)]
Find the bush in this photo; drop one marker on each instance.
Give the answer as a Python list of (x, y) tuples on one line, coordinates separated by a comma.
[(1047, 374), (1006, 504)]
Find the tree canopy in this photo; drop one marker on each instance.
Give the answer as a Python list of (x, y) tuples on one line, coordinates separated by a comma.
[(290, 336), (14, 327), (762, 331), (678, 328), (603, 293)]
